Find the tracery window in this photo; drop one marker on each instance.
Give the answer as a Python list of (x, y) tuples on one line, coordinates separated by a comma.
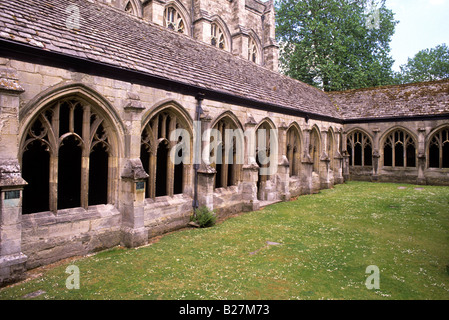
[(314, 150), (173, 20), (399, 150), (129, 8), (360, 149), (217, 36), (167, 176), (252, 51), (224, 155), (294, 151), (65, 158), (439, 149)]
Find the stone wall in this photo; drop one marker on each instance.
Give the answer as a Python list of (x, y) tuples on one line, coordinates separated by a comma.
[(130, 219)]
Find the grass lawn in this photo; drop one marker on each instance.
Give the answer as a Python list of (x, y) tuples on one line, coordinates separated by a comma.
[(326, 242)]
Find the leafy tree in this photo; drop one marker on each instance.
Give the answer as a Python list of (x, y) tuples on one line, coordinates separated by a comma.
[(426, 65), (336, 44)]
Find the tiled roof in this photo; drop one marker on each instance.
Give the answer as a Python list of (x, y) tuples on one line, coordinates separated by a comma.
[(408, 100), (112, 37)]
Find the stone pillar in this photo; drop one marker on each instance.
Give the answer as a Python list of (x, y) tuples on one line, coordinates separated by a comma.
[(206, 173), (154, 11), (283, 182), (202, 27), (422, 159), (240, 34), (345, 155), (250, 170), (376, 155), (12, 260), (270, 46), (338, 171), (307, 162), (325, 182), (134, 179)]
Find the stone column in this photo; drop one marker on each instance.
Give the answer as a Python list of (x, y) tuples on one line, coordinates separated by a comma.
[(202, 27), (325, 182), (134, 179), (283, 182), (206, 173), (345, 155), (376, 155), (154, 11), (307, 162), (250, 170), (270, 46), (422, 159), (338, 171), (12, 260)]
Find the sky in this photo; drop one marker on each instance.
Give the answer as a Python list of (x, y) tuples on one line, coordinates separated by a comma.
[(422, 24)]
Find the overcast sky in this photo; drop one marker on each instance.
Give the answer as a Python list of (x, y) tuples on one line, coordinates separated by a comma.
[(422, 24)]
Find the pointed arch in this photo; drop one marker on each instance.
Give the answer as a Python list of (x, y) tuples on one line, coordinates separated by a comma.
[(315, 148), (437, 148), (166, 145), (79, 135), (294, 148), (177, 17), (359, 145), (134, 7), (216, 19), (227, 143), (399, 147), (255, 47)]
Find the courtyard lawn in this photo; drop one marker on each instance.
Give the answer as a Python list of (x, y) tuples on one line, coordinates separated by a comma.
[(320, 246)]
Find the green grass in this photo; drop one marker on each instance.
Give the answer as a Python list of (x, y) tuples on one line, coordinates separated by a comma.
[(327, 242)]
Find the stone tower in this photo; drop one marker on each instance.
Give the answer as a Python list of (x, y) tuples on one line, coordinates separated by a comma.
[(245, 28)]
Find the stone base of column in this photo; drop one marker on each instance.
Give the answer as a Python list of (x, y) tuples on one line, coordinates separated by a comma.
[(12, 268), (132, 238)]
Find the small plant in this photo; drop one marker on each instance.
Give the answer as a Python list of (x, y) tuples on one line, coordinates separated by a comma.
[(204, 217)]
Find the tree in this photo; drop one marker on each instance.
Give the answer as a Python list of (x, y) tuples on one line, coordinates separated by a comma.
[(426, 65), (336, 44)]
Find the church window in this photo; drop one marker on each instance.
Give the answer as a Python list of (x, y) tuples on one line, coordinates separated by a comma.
[(173, 20), (166, 176), (359, 147), (399, 150), (224, 155), (252, 51), (217, 36), (439, 149), (294, 151), (65, 158)]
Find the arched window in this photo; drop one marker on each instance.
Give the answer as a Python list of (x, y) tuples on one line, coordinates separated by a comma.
[(265, 151), (399, 150), (134, 7), (129, 8), (173, 20), (217, 36), (163, 158), (439, 149), (65, 158), (314, 149), (253, 54), (224, 143), (360, 149), (294, 151)]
